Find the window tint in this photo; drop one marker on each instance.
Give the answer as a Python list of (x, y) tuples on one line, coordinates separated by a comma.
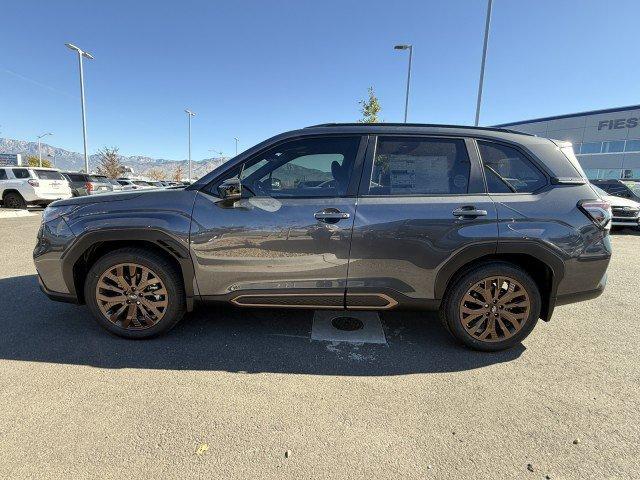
[(3, 174), (420, 166), (613, 146), (20, 173), (507, 170), (317, 167), (632, 146), (591, 147), (48, 175)]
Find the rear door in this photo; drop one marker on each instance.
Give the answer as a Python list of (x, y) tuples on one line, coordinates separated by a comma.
[(422, 206), (286, 242), (51, 182)]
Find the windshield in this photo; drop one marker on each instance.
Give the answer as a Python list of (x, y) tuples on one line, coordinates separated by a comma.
[(48, 175)]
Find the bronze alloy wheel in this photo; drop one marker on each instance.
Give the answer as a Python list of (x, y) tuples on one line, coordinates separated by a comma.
[(495, 309), (131, 296)]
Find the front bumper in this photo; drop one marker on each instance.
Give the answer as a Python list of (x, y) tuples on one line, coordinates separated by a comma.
[(57, 296), (53, 238)]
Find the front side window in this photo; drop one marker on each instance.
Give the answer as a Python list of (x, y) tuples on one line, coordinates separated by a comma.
[(420, 166), (315, 167), (507, 170), (21, 173)]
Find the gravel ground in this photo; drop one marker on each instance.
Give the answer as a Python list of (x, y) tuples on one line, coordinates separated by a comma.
[(245, 394)]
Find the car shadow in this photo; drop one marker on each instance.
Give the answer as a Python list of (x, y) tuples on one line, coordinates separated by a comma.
[(36, 329)]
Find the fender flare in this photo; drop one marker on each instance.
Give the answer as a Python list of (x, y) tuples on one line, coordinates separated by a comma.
[(159, 238)]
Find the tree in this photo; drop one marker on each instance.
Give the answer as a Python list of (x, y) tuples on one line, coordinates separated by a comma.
[(110, 163), (156, 174), (35, 162), (370, 108), (177, 174)]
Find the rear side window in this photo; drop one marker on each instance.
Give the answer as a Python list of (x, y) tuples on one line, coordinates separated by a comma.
[(507, 170), (76, 177), (48, 175), (20, 173), (420, 166), (3, 174)]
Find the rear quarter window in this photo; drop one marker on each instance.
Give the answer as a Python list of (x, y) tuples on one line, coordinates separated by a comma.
[(21, 173), (3, 174), (508, 170)]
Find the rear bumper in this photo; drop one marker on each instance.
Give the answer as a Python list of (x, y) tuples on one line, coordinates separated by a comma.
[(582, 296), (36, 197)]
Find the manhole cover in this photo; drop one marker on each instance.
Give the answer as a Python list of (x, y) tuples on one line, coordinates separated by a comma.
[(347, 324)]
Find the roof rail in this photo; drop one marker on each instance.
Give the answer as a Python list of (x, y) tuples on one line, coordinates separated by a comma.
[(431, 125)]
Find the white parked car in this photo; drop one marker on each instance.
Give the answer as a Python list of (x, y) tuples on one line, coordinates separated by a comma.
[(20, 186), (626, 212)]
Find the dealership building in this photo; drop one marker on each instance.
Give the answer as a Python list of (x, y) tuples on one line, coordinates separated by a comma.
[(606, 142)]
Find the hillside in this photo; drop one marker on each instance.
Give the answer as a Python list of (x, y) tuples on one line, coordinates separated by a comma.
[(74, 161)]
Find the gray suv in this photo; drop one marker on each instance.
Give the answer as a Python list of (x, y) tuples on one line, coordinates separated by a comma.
[(492, 228)]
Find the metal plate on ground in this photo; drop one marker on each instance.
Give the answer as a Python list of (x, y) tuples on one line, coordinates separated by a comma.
[(347, 326)]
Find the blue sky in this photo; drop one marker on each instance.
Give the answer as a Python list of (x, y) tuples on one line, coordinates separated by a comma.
[(252, 69)]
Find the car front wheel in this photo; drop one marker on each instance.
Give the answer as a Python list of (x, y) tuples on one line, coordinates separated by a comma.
[(492, 307), (135, 293)]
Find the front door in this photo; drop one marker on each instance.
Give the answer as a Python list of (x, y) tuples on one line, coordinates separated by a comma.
[(422, 203), (286, 241)]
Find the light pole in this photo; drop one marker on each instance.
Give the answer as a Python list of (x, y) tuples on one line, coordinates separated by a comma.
[(189, 115), (237, 140), (39, 152), (81, 54), (406, 100), (484, 58)]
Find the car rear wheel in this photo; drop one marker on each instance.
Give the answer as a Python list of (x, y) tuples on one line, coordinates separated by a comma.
[(135, 293), (14, 200), (492, 307)]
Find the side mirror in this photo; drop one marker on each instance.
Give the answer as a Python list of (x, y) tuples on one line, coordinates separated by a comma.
[(230, 189)]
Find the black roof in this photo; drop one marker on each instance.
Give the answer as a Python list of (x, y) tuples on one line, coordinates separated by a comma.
[(569, 115), (417, 125)]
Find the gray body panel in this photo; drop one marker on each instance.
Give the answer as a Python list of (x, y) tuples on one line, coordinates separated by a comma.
[(269, 244), (400, 244)]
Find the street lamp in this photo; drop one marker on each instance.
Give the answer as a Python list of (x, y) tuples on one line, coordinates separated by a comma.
[(39, 152), (484, 58), (237, 140), (81, 54), (189, 115), (406, 100)]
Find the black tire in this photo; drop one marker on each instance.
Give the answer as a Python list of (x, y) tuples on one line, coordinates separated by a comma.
[(451, 305), (160, 266), (14, 200)]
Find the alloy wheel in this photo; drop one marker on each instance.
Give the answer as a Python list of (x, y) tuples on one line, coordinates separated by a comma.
[(495, 309), (131, 296)]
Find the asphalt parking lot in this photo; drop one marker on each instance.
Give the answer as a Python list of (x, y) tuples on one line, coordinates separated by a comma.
[(227, 393)]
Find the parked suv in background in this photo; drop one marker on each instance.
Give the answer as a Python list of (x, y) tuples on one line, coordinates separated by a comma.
[(20, 186), (620, 188), (83, 184), (490, 227), (625, 212)]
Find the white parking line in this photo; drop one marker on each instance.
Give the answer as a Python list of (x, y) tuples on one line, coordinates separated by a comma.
[(13, 213)]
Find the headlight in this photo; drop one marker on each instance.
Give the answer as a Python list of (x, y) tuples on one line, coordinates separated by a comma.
[(51, 213)]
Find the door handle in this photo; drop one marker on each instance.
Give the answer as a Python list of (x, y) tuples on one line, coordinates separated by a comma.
[(331, 216), (469, 211)]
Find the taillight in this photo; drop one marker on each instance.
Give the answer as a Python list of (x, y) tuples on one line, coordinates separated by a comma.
[(33, 183), (597, 210), (89, 186)]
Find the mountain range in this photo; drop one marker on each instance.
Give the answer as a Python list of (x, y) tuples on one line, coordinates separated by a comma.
[(74, 161)]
